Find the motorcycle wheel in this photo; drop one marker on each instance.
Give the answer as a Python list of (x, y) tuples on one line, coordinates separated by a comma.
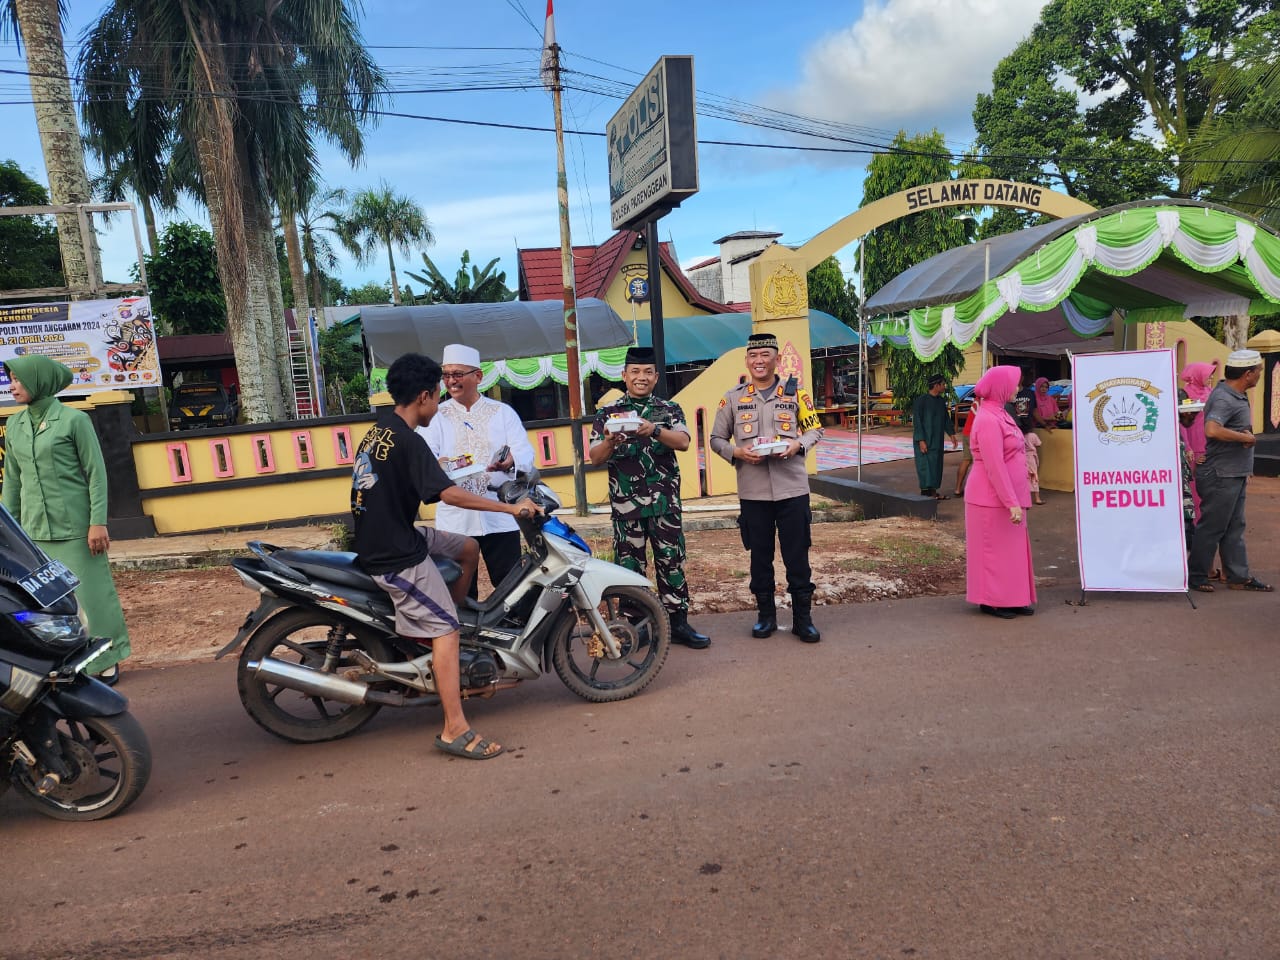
[(300, 637), (637, 619), (111, 763)]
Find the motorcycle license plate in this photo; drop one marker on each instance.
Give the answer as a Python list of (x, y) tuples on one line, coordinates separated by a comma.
[(50, 583)]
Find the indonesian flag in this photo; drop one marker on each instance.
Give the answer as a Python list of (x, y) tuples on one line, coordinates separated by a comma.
[(548, 51)]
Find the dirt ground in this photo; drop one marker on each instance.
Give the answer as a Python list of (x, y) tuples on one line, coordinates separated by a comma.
[(190, 614)]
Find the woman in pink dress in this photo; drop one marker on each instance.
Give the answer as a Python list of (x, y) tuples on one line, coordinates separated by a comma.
[(1045, 412), (1196, 379), (999, 573)]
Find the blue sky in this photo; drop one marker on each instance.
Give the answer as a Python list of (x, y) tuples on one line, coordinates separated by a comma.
[(899, 64)]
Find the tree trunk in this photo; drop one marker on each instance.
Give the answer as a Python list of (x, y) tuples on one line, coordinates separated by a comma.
[(395, 284), (297, 269), (264, 268), (149, 221), (59, 134), (223, 162), (1235, 332)]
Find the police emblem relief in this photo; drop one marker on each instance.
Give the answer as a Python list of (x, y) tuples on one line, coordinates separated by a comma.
[(786, 292), (1124, 409)]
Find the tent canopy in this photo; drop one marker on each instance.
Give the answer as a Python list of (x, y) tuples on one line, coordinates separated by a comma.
[(1157, 260), (500, 331), (695, 339)]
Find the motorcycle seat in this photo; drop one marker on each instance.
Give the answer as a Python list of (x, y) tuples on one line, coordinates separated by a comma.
[(340, 567)]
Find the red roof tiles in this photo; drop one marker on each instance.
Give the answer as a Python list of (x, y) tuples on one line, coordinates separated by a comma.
[(595, 269)]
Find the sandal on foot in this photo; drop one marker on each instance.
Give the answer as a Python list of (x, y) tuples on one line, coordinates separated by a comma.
[(1202, 587), (1254, 584), (1218, 575), (469, 745), (941, 496)]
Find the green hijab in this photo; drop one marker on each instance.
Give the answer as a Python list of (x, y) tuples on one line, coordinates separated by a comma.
[(43, 377)]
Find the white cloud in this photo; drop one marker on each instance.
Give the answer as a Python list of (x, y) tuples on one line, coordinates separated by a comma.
[(910, 64)]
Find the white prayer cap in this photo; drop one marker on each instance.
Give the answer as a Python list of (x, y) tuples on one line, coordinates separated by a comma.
[(460, 355), (1244, 358)]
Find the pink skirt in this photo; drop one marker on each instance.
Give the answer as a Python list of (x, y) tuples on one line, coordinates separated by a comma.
[(998, 558)]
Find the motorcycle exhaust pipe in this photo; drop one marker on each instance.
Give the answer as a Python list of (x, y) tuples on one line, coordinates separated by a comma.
[(311, 682)]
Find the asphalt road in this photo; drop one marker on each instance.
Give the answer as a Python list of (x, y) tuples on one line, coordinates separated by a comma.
[(1097, 781)]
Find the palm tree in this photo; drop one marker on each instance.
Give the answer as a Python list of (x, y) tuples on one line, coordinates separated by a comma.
[(1234, 153), (137, 159), (319, 215), (379, 218), (478, 286), (38, 25), (247, 85)]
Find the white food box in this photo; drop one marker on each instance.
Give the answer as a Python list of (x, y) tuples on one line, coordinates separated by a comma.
[(766, 448), (626, 424)]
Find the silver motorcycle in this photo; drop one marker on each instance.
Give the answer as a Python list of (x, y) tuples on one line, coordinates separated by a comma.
[(322, 655)]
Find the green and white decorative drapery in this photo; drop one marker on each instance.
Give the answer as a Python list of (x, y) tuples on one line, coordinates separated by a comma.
[(528, 372), (1120, 244)]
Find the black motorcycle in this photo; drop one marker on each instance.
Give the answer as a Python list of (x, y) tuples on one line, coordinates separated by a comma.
[(67, 741)]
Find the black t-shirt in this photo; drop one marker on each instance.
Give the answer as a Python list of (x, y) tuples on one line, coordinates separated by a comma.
[(395, 471)]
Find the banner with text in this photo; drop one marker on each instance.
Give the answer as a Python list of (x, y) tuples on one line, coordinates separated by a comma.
[(1128, 476), (108, 344)]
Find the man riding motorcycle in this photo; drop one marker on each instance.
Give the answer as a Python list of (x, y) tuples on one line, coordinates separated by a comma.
[(394, 473)]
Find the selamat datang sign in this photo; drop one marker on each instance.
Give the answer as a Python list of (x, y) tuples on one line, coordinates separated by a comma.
[(653, 145)]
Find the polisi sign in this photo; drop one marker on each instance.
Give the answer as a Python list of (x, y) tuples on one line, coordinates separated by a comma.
[(653, 148)]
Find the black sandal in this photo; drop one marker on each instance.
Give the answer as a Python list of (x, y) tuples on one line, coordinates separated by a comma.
[(1254, 584)]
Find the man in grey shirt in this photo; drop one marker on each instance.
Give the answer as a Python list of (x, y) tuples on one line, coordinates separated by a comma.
[(1222, 477)]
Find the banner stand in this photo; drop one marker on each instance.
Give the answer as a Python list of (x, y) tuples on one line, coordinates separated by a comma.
[(1128, 473)]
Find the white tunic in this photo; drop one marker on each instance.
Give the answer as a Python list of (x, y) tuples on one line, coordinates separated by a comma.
[(481, 431)]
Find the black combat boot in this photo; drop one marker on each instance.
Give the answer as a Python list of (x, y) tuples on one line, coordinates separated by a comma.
[(802, 618), (767, 621), (684, 634)]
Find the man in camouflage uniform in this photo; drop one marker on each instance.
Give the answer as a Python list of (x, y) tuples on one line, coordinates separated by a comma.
[(644, 487), (773, 488)]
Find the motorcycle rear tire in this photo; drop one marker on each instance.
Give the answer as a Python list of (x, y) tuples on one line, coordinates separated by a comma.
[(324, 719), (645, 630), (121, 753)]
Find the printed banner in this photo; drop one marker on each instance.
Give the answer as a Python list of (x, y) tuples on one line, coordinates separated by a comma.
[(108, 344), (1128, 475)]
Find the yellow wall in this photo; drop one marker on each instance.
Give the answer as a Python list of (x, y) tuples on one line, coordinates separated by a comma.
[(674, 302)]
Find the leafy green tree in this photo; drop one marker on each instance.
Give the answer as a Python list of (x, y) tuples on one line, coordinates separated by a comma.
[(343, 365), (367, 294), (183, 276), (28, 245), (249, 88), (1143, 65), (476, 286), (831, 293), (1235, 152), (382, 218), (903, 243)]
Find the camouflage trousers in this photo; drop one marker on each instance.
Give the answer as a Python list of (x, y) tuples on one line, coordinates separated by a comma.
[(667, 536)]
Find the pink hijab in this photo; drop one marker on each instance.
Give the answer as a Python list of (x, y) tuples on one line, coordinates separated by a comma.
[(1046, 405), (1196, 377), (998, 385)]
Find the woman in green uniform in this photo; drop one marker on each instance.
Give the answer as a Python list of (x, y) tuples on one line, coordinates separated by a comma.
[(55, 485)]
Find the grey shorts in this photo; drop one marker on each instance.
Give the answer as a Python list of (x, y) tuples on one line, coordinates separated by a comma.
[(424, 608), (968, 450)]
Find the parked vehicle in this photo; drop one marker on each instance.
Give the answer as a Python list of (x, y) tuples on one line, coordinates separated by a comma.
[(203, 405), (67, 741), (322, 655)]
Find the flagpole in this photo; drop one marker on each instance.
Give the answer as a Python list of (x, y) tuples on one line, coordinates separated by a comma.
[(551, 71)]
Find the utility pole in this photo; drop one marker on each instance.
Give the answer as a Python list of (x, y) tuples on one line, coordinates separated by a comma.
[(570, 294)]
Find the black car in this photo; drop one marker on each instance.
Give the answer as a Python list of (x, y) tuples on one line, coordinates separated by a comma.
[(202, 405)]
